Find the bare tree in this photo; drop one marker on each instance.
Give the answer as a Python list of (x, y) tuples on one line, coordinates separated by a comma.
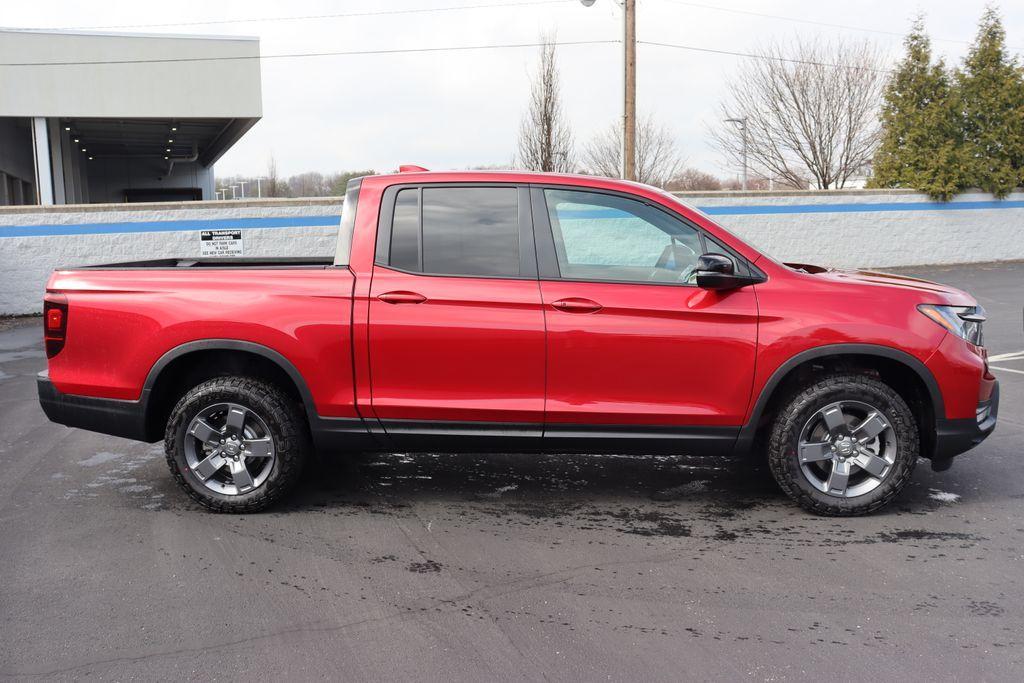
[(545, 141), (693, 180), (273, 188), (811, 111), (657, 156)]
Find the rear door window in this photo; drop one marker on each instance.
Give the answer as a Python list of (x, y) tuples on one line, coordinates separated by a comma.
[(456, 231)]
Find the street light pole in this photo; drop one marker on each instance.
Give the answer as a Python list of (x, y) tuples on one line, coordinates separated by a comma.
[(242, 184), (628, 86), (259, 189), (742, 123)]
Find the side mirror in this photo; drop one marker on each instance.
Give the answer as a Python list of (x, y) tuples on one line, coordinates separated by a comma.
[(716, 271)]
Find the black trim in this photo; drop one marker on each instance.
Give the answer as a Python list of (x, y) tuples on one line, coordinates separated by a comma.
[(126, 419), (681, 440), (341, 434), (499, 437), (462, 436), (230, 345), (745, 441), (953, 437)]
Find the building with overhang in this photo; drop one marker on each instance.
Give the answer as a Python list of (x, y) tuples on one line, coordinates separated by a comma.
[(91, 117)]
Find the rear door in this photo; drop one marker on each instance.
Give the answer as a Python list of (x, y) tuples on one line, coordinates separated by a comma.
[(456, 334), (635, 348)]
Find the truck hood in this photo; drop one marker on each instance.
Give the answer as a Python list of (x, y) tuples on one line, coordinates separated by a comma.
[(928, 290)]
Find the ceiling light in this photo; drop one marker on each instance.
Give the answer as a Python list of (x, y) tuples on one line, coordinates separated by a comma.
[(174, 129), (90, 158), (67, 127), (165, 157), (171, 140), (83, 149), (168, 149), (76, 140)]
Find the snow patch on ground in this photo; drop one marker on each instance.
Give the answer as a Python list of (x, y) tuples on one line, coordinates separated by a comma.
[(100, 458), (943, 496)]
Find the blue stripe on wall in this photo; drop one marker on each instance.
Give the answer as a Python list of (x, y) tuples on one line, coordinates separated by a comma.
[(169, 226), (767, 209), (331, 221)]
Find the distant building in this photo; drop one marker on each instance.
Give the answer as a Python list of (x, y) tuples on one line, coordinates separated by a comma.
[(113, 117)]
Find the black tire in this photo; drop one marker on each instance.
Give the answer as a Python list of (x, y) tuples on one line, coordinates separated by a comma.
[(286, 426), (786, 427)]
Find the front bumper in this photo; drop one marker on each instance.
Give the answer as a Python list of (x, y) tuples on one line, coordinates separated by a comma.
[(105, 415), (953, 437)]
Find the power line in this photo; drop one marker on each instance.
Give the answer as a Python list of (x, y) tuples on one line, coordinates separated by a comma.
[(763, 56), (813, 22), (296, 55), (373, 13), (450, 48)]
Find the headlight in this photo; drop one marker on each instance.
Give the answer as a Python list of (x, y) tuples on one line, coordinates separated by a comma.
[(963, 321)]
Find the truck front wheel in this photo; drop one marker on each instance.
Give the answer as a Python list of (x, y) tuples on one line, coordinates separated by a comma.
[(845, 445), (236, 444)]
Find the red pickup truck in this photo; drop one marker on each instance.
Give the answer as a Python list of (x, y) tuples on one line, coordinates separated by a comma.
[(517, 312)]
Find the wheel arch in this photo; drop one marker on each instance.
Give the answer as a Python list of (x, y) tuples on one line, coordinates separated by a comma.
[(162, 387), (912, 369)]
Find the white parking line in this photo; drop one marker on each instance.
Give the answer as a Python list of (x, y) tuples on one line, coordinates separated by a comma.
[(1019, 372), (1013, 355)]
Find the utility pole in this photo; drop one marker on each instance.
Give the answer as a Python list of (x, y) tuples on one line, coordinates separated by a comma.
[(742, 123), (629, 94), (629, 86)]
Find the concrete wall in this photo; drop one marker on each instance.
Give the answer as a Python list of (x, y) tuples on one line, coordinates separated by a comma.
[(842, 229), (871, 228), (35, 240)]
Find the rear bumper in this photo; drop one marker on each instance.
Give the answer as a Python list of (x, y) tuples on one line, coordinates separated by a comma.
[(953, 437), (105, 415)]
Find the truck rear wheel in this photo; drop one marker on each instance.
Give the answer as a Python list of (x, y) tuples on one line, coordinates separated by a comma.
[(236, 444), (845, 445)]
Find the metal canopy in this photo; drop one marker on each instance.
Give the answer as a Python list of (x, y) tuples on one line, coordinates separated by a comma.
[(204, 140)]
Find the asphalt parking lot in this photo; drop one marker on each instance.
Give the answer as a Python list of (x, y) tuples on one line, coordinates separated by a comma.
[(525, 567)]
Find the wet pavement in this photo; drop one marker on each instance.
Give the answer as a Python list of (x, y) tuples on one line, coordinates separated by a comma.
[(469, 567)]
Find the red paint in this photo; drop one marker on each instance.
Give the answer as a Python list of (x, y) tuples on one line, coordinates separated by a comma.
[(372, 341)]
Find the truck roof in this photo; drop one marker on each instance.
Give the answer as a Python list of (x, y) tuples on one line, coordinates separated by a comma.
[(511, 176)]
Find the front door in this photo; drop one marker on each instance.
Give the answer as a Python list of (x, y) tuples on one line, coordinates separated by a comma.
[(456, 334), (632, 341)]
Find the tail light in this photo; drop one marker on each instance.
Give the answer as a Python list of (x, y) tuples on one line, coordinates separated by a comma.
[(55, 322)]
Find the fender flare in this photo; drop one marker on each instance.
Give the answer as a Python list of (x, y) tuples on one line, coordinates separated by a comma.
[(745, 440), (230, 345)]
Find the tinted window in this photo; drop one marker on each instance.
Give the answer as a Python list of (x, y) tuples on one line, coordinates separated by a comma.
[(605, 237), (405, 231), (459, 231)]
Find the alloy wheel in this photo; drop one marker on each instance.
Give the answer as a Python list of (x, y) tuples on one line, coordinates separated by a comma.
[(229, 448), (847, 449)]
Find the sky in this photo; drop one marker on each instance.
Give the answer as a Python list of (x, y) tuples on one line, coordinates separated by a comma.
[(461, 109)]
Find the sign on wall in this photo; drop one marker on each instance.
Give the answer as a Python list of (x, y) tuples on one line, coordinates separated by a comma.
[(220, 243)]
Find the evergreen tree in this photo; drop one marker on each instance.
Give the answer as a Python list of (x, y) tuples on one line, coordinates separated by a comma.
[(991, 90), (921, 144)]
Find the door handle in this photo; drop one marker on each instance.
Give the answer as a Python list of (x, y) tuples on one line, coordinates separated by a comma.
[(576, 305), (402, 298)]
